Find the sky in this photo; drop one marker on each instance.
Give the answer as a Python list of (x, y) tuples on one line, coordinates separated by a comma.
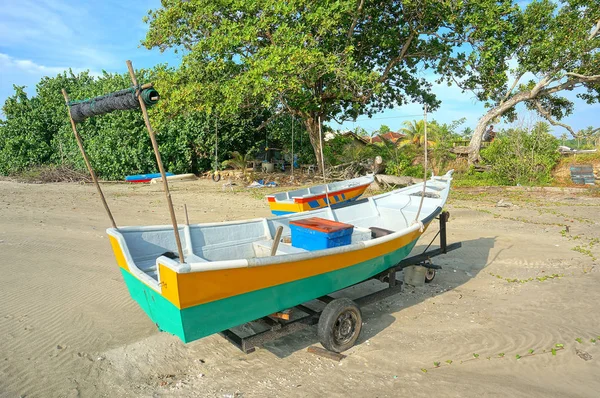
[(45, 37)]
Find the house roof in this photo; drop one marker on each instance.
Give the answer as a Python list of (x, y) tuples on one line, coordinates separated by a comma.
[(393, 137), (389, 136)]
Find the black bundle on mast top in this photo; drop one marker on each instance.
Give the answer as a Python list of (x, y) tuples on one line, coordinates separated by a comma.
[(120, 100)]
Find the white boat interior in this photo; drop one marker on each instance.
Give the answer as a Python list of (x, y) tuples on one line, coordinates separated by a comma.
[(288, 197), (249, 243)]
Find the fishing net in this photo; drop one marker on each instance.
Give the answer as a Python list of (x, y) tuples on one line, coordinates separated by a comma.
[(119, 100)]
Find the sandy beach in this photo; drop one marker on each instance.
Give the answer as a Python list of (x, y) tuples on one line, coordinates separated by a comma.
[(514, 312)]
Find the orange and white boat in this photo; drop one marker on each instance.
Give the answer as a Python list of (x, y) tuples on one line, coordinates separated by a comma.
[(318, 196)]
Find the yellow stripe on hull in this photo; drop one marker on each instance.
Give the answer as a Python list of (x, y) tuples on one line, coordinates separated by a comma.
[(190, 289), (294, 207), (118, 253)]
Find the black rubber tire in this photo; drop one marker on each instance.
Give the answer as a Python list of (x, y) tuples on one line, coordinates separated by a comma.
[(430, 275), (340, 325), (216, 177)]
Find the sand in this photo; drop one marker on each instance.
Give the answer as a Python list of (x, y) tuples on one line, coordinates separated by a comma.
[(68, 327)]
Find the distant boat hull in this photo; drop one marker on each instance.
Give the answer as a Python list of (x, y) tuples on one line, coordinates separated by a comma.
[(144, 177), (318, 196), (177, 177)]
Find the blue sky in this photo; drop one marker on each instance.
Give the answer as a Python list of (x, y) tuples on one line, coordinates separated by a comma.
[(45, 37)]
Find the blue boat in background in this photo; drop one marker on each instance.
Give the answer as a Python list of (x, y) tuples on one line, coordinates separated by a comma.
[(144, 177)]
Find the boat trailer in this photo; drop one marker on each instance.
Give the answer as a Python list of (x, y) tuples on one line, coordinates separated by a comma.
[(339, 327)]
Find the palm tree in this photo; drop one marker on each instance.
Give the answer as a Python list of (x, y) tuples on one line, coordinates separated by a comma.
[(564, 137), (238, 161), (415, 133), (578, 135), (541, 128)]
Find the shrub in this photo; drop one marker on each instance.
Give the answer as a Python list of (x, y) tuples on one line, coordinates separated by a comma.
[(523, 157)]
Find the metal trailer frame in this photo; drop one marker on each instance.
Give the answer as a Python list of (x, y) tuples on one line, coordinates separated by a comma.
[(278, 328)]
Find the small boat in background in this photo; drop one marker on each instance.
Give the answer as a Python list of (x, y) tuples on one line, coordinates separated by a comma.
[(177, 177), (144, 177), (318, 196)]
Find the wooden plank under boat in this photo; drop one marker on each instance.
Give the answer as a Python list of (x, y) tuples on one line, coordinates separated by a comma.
[(229, 277), (316, 197)]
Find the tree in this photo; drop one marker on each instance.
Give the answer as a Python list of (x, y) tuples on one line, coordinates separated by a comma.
[(383, 129), (361, 132), (596, 134), (36, 130), (555, 45), (415, 133), (313, 59), (563, 138), (519, 156), (467, 133), (589, 134)]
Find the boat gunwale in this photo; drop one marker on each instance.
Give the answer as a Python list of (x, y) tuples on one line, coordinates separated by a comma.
[(369, 179), (182, 268)]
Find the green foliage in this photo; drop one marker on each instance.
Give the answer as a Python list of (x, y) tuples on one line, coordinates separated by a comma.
[(402, 161), (237, 161), (403, 166), (316, 60), (343, 149), (518, 156), (415, 133), (36, 131)]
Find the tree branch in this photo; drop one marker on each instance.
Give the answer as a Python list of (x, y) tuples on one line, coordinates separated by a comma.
[(585, 78), (595, 31), (511, 88), (355, 21), (564, 86), (289, 108), (546, 114), (399, 58), (269, 119), (541, 84)]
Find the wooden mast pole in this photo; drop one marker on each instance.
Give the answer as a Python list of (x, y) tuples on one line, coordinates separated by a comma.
[(87, 161), (159, 161)]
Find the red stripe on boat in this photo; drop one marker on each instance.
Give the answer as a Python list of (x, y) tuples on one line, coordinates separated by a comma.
[(304, 200)]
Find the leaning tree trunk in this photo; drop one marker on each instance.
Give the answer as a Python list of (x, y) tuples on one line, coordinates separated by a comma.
[(475, 144), (312, 126)]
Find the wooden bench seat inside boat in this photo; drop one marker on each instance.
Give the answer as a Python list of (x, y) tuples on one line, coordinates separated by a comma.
[(263, 248)]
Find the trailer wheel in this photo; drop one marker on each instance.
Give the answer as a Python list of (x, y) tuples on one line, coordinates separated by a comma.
[(340, 325), (216, 177), (429, 275)]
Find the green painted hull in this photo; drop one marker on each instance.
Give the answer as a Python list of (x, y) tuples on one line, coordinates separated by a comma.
[(202, 320)]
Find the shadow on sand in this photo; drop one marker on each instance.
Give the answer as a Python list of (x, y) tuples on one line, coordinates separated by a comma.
[(464, 263)]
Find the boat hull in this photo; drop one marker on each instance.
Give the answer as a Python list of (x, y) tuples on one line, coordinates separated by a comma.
[(317, 202), (202, 309)]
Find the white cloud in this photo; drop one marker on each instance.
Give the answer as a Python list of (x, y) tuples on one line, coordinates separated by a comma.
[(53, 31), (10, 65)]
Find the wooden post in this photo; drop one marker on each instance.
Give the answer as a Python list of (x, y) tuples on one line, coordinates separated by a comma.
[(160, 164), (425, 163), (276, 240), (87, 161)]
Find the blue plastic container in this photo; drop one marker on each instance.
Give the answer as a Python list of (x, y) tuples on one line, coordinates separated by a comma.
[(318, 233)]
